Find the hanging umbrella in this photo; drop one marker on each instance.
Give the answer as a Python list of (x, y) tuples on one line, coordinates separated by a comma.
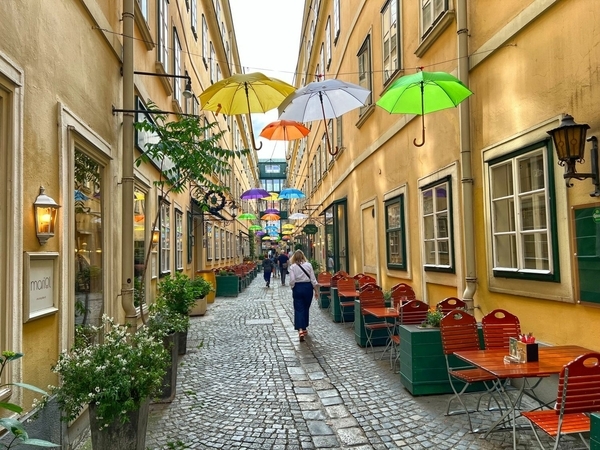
[(325, 99), (271, 211), (298, 216), (247, 216), (291, 193), (253, 194), (270, 217), (267, 238), (289, 226), (271, 196), (245, 94), (284, 130), (286, 238), (255, 227), (287, 232), (260, 233), (423, 93)]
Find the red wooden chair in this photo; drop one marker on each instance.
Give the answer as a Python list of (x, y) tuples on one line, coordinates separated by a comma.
[(412, 312), (367, 279), (324, 291), (370, 296), (450, 304), (458, 330), (346, 294), (578, 396), (401, 293)]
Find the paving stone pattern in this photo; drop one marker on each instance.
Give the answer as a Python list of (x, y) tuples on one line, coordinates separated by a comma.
[(252, 385)]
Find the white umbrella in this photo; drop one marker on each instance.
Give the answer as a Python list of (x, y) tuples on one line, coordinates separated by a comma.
[(298, 216), (326, 99)]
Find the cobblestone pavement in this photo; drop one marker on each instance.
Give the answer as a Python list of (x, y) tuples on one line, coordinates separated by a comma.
[(253, 385)]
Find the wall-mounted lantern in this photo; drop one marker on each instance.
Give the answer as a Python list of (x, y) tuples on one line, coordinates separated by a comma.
[(45, 210)]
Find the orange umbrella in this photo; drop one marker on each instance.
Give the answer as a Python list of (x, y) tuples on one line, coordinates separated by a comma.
[(270, 217), (284, 130)]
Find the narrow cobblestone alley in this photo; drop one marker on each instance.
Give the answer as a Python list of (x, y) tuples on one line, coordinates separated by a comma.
[(251, 384)]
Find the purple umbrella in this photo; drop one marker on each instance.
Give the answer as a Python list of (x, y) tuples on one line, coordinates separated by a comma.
[(254, 194), (272, 211), (260, 233)]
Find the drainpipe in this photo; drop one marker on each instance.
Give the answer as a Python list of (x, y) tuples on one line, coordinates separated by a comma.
[(127, 180), (464, 116)]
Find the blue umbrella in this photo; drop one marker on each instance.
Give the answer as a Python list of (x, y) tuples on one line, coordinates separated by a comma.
[(290, 193)]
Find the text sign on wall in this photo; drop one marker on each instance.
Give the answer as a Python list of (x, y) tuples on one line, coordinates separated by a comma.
[(40, 285)]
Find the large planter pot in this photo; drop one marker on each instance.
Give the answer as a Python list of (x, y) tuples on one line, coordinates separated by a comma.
[(182, 342), (130, 435), (227, 286), (169, 384), (209, 276), (199, 308)]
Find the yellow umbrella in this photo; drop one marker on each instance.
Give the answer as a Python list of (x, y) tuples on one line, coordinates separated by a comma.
[(245, 94), (289, 226), (273, 197), (287, 232)]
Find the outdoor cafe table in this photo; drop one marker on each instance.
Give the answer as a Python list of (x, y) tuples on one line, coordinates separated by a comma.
[(384, 312), (550, 362)]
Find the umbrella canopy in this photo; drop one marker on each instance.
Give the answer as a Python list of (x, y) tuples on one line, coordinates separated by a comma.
[(298, 216), (267, 238), (287, 232), (286, 238), (260, 233), (423, 93), (271, 196), (270, 217), (290, 193), (255, 227), (253, 194), (271, 211), (284, 130), (288, 226), (245, 94), (247, 216), (324, 100)]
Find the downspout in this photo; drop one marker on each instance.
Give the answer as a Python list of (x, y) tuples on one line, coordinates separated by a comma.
[(127, 179), (464, 116)]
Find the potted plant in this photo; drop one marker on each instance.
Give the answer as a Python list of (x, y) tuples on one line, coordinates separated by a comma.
[(115, 378), (178, 293), (433, 318), (201, 289), (227, 284), (166, 325)]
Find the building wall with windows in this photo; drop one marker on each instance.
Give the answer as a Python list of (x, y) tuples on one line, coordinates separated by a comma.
[(58, 88), (525, 68)]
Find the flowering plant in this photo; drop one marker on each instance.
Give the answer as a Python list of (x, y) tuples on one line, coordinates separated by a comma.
[(117, 374), (434, 317)]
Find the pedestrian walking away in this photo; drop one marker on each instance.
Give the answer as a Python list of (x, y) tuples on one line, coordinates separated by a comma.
[(304, 285), (267, 269), (283, 262)]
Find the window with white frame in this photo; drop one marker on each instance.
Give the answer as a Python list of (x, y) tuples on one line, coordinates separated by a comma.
[(217, 243), (328, 43), (213, 63), (163, 33), (336, 20), (437, 226), (364, 70), (205, 54), (144, 8), (395, 233), (431, 11), (338, 132), (229, 244), (194, 17), (223, 244), (521, 206), (165, 237), (390, 38), (176, 66), (178, 240), (209, 240), (322, 62)]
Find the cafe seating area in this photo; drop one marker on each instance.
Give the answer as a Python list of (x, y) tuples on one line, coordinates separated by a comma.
[(489, 368)]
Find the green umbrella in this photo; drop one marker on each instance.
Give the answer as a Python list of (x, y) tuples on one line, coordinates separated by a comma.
[(247, 216), (255, 227), (423, 93)]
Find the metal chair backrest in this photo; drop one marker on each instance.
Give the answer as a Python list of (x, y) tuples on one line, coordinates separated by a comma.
[(579, 385), (413, 312), (324, 277), (451, 303), (458, 329), (498, 326), (366, 279)]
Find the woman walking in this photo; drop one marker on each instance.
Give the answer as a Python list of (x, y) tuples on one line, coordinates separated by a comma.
[(304, 285)]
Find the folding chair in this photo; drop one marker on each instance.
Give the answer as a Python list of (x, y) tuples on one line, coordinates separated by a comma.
[(372, 297), (578, 395), (412, 312), (498, 327), (346, 295), (324, 292), (458, 330), (450, 304)]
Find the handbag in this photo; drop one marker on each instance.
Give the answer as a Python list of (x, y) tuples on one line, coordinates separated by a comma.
[(284, 265)]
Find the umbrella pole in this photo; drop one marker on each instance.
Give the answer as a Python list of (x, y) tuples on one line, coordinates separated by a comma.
[(326, 130), (250, 120), (422, 119)]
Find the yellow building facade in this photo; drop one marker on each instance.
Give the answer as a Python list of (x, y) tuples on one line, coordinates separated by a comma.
[(481, 210), (74, 75)]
